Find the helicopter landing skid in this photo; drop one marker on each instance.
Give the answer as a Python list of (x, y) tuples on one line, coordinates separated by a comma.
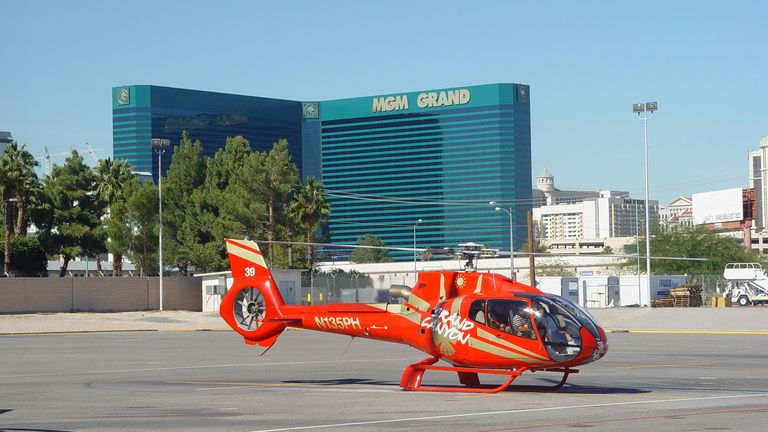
[(412, 375), (564, 370)]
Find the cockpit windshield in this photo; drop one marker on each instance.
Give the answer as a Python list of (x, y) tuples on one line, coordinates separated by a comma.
[(558, 327), (585, 318), (558, 321)]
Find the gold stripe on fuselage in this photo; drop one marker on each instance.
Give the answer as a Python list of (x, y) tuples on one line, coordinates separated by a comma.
[(442, 287), (479, 287), (418, 303), (499, 351), (481, 333)]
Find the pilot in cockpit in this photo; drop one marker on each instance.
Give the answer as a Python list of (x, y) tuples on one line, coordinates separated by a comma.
[(521, 323)]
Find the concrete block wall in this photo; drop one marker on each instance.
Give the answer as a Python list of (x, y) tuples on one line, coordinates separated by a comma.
[(98, 294), (28, 295)]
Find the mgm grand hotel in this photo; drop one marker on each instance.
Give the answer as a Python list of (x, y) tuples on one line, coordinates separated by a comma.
[(412, 168)]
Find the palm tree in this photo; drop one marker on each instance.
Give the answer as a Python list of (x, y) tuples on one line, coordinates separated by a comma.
[(111, 178), (310, 208), (17, 166), (17, 177)]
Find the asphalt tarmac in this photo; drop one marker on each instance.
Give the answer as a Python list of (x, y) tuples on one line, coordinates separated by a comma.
[(211, 381)]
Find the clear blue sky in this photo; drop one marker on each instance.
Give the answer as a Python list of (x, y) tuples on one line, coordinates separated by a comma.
[(705, 62)]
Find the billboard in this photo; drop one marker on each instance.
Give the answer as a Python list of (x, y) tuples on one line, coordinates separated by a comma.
[(718, 206)]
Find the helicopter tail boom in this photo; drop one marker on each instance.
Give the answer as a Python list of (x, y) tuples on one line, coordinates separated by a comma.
[(253, 305)]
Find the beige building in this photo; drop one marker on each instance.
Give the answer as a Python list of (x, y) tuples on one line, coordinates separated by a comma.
[(587, 221), (678, 213)]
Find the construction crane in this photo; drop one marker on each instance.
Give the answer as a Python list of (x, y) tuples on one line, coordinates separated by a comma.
[(47, 156), (92, 151), (47, 159)]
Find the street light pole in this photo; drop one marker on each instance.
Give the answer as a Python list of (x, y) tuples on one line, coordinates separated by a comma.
[(160, 145), (414, 249), (511, 240), (639, 108), (637, 248)]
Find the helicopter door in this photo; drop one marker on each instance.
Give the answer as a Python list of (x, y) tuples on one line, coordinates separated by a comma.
[(504, 317), (510, 318), (450, 330)]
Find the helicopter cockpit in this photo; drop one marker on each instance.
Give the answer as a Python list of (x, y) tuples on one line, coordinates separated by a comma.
[(556, 320)]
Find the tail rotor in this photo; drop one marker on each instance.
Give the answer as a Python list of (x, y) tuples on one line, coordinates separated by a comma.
[(252, 307), (249, 309)]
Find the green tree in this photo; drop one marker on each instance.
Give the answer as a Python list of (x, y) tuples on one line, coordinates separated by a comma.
[(28, 257), (141, 216), (369, 255), (426, 254), (112, 176), (248, 207), (539, 247), (310, 208), (68, 219), (185, 175), (697, 242), (17, 177), (557, 267), (280, 177), (220, 207)]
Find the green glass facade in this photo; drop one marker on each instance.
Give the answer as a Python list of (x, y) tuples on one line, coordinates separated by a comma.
[(386, 161), (436, 155), (143, 112)]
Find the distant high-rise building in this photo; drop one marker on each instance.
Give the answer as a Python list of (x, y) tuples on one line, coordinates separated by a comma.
[(143, 112), (609, 215), (5, 140), (438, 156), (758, 180), (546, 193), (387, 161)]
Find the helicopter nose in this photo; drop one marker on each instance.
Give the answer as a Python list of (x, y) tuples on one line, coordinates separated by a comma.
[(601, 345)]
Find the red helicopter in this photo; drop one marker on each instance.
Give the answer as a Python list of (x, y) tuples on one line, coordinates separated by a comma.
[(479, 323)]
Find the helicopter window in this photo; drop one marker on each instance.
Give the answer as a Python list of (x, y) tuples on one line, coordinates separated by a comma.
[(583, 317), (477, 311), (511, 316), (558, 327)]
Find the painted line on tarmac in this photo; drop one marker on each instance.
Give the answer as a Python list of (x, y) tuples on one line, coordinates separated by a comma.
[(589, 423), (54, 332), (527, 410), (171, 330), (704, 332), (156, 369), (63, 332)]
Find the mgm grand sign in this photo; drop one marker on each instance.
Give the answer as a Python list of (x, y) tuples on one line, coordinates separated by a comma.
[(423, 100)]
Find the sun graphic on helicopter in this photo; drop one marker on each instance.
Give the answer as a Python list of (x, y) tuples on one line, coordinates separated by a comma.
[(460, 281)]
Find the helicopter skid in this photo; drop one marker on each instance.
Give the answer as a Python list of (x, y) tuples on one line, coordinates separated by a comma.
[(413, 374), (564, 370)]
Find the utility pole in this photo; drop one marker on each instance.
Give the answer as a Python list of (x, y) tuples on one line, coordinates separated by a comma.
[(531, 249)]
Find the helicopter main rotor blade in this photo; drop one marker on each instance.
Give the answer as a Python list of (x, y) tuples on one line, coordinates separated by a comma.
[(341, 245), (545, 255), (449, 251)]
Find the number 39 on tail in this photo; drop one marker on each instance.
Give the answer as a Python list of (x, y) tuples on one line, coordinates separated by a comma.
[(478, 323)]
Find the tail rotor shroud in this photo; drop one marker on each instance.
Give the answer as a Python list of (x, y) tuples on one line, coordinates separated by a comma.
[(249, 309)]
